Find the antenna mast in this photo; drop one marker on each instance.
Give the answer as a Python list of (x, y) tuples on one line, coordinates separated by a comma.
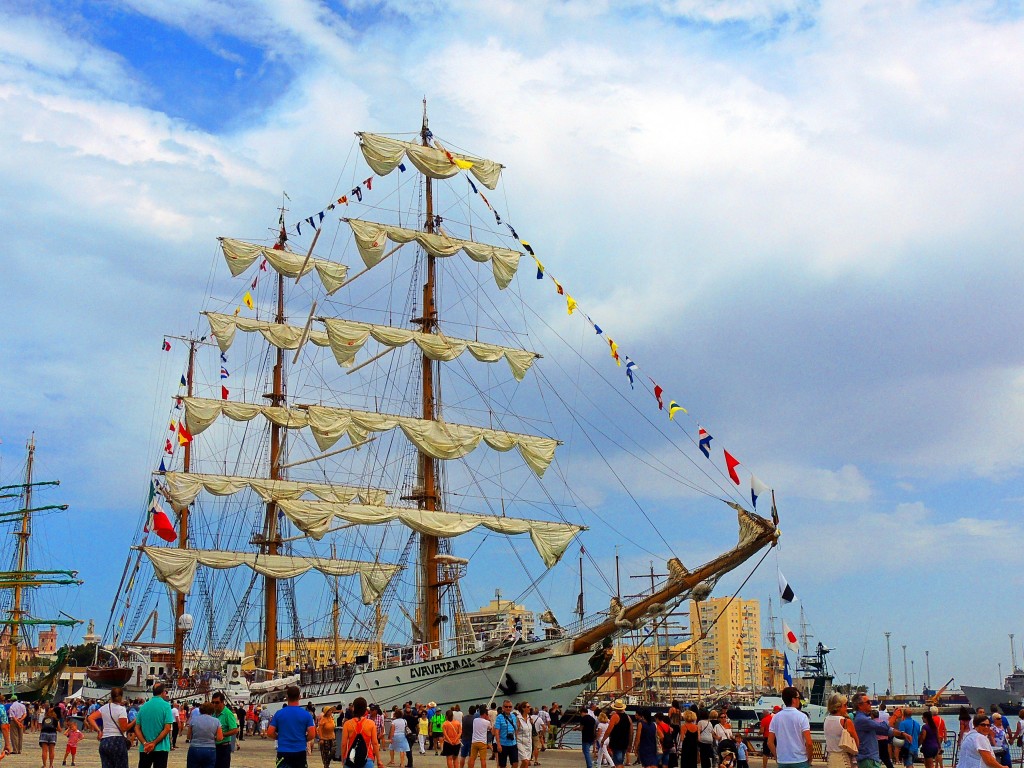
[(179, 599)]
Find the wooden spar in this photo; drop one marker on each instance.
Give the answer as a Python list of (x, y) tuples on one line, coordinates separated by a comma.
[(179, 598), (427, 471), (675, 587), (270, 541), (23, 535)]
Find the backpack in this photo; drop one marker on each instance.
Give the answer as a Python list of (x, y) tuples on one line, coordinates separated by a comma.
[(357, 754)]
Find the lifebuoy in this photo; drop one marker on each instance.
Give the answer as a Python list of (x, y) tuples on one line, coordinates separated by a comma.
[(183, 682)]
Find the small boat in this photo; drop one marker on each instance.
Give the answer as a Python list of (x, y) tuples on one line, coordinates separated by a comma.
[(109, 676)]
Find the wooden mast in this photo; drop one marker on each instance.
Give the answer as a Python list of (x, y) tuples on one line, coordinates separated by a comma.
[(270, 542), (179, 599), (23, 537), (427, 473)]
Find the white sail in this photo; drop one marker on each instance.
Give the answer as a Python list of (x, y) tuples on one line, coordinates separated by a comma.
[(551, 539), (371, 238), (383, 155), (223, 327), (240, 255), (438, 439), (347, 337), (181, 489), (177, 567)]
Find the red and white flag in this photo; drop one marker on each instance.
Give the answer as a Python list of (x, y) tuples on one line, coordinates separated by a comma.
[(790, 637)]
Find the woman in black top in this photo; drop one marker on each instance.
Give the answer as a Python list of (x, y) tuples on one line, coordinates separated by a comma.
[(48, 735)]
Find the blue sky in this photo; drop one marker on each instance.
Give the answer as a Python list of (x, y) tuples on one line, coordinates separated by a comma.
[(804, 217)]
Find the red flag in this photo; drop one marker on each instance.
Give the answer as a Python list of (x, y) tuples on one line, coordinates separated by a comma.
[(167, 346), (224, 392), (623, 655), (168, 448), (253, 286), (184, 436), (161, 524), (263, 266), (731, 463), (369, 183), (657, 396), (173, 426)]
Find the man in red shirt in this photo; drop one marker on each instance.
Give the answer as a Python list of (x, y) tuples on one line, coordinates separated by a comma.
[(766, 721)]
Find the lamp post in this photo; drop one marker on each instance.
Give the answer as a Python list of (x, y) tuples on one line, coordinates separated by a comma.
[(888, 656), (927, 670), (906, 679)]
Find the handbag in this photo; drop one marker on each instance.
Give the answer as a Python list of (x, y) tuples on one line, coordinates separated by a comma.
[(847, 743)]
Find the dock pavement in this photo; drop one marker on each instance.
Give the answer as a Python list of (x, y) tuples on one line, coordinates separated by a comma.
[(260, 753)]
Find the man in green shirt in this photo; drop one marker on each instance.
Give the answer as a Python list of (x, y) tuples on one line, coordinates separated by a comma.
[(153, 729), (229, 727), (437, 728)]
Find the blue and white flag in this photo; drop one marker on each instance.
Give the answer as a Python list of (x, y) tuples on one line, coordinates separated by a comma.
[(785, 669)]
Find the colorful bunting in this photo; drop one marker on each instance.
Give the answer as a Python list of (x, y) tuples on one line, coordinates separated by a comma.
[(159, 523), (615, 351), (756, 489), (224, 372), (184, 381), (168, 448), (263, 266), (731, 462), (673, 406), (178, 403), (630, 367), (163, 467), (785, 591), (167, 346), (704, 441), (401, 167), (570, 303), (658, 391), (252, 287), (184, 436), (223, 357), (247, 300), (357, 193), (224, 392), (173, 426)]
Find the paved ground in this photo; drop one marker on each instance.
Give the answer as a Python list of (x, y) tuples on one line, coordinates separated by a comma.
[(257, 753)]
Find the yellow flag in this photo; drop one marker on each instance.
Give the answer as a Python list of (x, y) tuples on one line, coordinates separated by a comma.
[(247, 300), (570, 302), (463, 164), (615, 351), (673, 406), (237, 310)]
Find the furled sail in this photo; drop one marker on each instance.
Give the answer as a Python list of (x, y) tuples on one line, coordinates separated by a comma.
[(181, 489), (177, 567), (315, 518), (240, 255), (371, 238), (438, 439), (224, 327), (347, 337), (383, 154)]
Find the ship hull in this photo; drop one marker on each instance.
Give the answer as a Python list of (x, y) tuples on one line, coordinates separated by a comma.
[(991, 698), (542, 672)]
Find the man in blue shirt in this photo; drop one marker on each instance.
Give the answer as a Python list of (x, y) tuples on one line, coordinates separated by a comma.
[(505, 725), (868, 729), (912, 728), (293, 727)]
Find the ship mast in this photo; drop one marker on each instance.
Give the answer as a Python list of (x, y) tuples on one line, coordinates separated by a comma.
[(179, 599), (270, 541), (23, 536), (427, 470)]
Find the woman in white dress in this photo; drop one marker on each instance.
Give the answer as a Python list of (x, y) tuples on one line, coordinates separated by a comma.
[(837, 721), (603, 755), (524, 734)]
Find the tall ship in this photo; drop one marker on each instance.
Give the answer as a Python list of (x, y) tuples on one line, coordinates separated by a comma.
[(30, 656), (335, 466)]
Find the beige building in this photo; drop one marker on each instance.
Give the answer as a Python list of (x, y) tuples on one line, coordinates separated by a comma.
[(771, 669), (730, 655), (316, 650), (498, 619)]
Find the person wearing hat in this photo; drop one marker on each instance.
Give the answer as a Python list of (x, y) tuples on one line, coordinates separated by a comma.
[(325, 731), (619, 734)]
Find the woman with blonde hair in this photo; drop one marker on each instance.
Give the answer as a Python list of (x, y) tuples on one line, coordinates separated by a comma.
[(838, 720), (603, 753), (688, 746)]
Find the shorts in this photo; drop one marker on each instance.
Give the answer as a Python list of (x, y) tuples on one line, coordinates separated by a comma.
[(869, 763), (47, 738), (464, 752), (803, 764), (450, 750), (291, 759), (508, 752), (72, 749), (930, 752), (618, 756), (478, 748)]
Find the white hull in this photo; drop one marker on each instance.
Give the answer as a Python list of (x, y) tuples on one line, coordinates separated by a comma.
[(542, 672)]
